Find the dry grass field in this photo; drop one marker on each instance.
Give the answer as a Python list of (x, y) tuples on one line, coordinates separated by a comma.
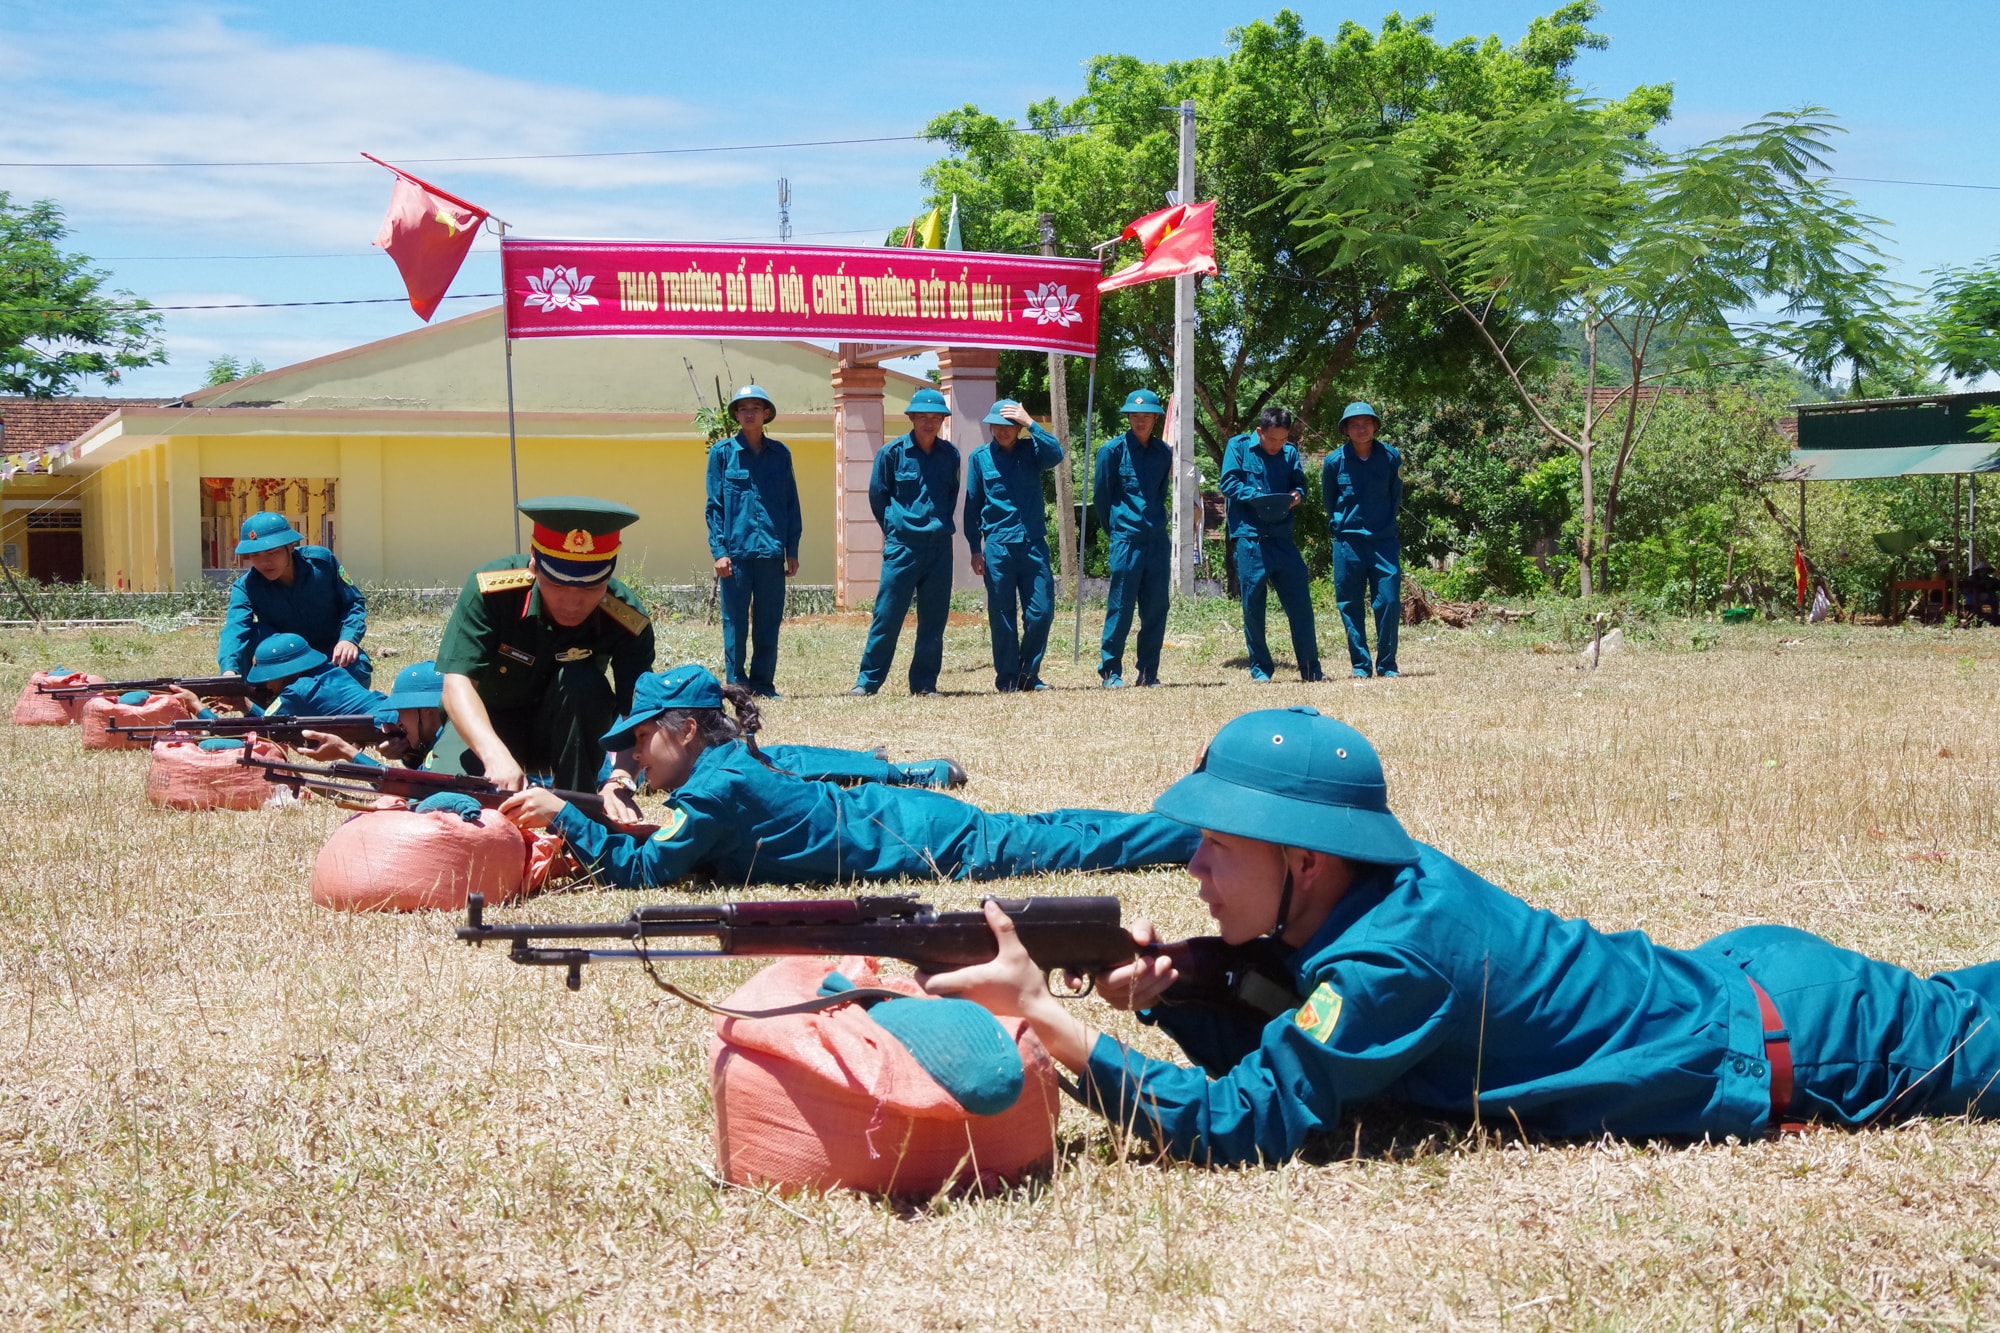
[(221, 1106)]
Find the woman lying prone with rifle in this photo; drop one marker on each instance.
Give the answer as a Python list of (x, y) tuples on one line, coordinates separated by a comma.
[(734, 816)]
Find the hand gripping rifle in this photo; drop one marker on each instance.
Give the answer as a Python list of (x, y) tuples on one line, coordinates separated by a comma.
[(205, 687), (351, 779), (286, 729), (1077, 936)]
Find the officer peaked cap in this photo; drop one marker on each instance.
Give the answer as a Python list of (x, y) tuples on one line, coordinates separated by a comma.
[(576, 538)]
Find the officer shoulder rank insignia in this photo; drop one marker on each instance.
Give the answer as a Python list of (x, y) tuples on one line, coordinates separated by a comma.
[(505, 580), (1318, 1015), (578, 654), (676, 820), (631, 617)]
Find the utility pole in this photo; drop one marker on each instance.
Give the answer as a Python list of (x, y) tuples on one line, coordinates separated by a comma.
[(1187, 474), (1067, 563), (784, 210)]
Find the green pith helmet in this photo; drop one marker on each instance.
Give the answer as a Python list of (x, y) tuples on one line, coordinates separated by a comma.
[(1361, 410), (754, 394), (266, 531), (927, 400), (994, 415), (1142, 400), (281, 657), (1293, 777)]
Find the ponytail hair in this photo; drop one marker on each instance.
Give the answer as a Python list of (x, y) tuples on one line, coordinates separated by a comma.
[(715, 727)]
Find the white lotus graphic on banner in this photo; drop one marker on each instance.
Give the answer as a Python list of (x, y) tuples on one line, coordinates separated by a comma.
[(559, 289), (1051, 304)]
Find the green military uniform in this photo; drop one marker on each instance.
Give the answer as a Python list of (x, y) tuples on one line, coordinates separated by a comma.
[(544, 686)]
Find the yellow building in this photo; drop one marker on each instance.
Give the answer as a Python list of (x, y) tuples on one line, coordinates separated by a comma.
[(394, 453)]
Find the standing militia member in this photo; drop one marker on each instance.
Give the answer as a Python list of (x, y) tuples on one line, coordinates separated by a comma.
[(1415, 981), (753, 533), (1362, 482), (1135, 474), (1265, 479), (913, 490), (525, 652), (1008, 530), (291, 588)]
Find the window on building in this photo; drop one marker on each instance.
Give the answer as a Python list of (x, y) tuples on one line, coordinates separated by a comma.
[(308, 502), (55, 545)]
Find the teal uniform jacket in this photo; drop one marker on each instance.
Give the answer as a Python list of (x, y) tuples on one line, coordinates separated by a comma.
[(1248, 472), (1430, 987), (1131, 488), (322, 606), (737, 821), (912, 493), (1363, 498), (1003, 492), (753, 501), (330, 692)]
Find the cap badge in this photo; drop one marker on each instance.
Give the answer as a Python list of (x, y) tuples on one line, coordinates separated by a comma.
[(578, 542)]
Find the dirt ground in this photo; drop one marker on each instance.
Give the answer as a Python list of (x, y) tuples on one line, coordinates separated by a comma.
[(221, 1106)]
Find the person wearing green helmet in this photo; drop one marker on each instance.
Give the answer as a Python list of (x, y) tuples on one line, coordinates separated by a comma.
[(1264, 479), (753, 535), (1402, 977), (289, 587), (913, 490), (1362, 483), (1135, 476), (1008, 530)]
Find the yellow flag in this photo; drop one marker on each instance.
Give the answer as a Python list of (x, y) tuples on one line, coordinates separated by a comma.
[(930, 231)]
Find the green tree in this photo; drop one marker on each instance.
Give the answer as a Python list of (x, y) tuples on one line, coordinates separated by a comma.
[(227, 370), (59, 323), (1274, 327), (1563, 212)]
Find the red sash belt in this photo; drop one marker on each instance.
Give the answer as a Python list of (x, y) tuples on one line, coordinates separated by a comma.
[(1778, 1054)]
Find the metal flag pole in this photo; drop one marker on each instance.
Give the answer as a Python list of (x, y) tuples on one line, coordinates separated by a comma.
[(507, 342), (1083, 525)]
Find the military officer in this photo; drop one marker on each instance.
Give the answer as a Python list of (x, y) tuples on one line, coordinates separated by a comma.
[(1413, 980), (913, 490), (1007, 528), (753, 534), (291, 588), (736, 819), (1264, 480), (525, 654), (1130, 495), (1362, 482)]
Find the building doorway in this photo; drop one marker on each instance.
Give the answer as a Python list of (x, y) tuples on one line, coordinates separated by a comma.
[(55, 546)]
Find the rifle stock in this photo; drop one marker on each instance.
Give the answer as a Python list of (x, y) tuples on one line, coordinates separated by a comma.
[(410, 784), (206, 687), (286, 729)]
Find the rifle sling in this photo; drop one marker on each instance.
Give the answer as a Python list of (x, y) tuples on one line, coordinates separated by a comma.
[(812, 1006)]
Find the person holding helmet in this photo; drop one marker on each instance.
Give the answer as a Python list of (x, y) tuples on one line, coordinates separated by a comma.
[(913, 490), (1362, 483), (1264, 480), (753, 533), (291, 588), (1008, 530), (1415, 981), (1135, 476), (525, 654)]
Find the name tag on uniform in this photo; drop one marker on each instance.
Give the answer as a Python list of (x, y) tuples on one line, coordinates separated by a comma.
[(574, 655), (509, 650)]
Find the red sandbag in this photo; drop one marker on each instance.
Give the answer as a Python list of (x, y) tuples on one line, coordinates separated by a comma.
[(99, 713), (404, 861), (832, 1101), (186, 777), (35, 709)]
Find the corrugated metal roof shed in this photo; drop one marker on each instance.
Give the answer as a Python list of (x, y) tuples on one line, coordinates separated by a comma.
[(1927, 435)]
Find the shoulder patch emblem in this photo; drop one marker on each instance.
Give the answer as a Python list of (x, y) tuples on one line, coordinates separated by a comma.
[(630, 617), (676, 820), (505, 580), (1320, 1013)]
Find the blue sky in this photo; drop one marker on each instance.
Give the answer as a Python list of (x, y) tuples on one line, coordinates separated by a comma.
[(126, 82)]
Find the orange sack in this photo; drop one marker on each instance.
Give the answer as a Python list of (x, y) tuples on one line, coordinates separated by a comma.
[(99, 713), (400, 860), (35, 709), (186, 777), (832, 1101)]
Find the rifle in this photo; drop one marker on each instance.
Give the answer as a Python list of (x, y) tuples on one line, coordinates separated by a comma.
[(1079, 936), (206, 687), (411, 784), (360, 728)]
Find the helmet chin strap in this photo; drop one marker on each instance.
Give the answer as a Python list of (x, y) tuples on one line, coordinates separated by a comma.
[(1284, 907)]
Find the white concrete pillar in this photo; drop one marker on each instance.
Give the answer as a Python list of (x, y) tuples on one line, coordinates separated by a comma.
[(967, 376), (857, 437)]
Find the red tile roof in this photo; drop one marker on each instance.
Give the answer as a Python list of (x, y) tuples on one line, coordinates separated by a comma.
[(32, 425)]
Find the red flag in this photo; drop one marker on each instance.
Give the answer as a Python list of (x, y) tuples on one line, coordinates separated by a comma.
[(1177, 241), (427, 233), (1799, 568)]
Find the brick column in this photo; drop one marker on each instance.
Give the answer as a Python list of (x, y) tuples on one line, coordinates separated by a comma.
[(857, 438), (966, 374)]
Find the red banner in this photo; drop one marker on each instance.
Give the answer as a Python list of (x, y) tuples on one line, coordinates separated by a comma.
[(935, 298)]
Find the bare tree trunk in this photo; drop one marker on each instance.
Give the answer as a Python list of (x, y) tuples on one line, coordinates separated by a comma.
[(1066, 554), (1585, 546), (1586, 550)]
